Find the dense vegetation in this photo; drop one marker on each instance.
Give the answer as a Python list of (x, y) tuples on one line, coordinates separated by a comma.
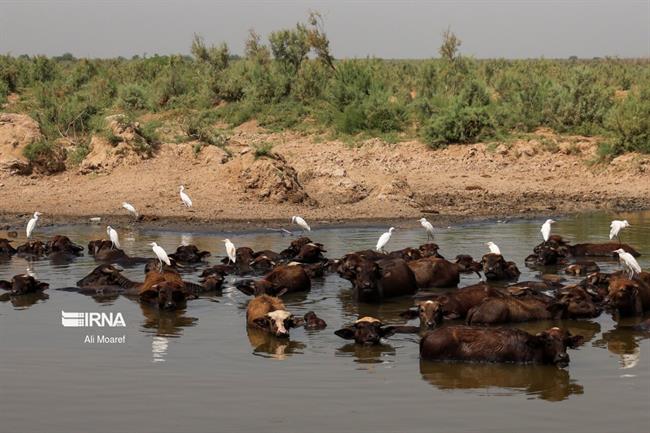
[(293, 81)]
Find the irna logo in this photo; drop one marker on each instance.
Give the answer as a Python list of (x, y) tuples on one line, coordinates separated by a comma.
[(88, 320)]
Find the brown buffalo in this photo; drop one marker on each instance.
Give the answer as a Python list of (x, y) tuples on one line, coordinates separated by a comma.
[(310, 253), (369, 330), (599, 250), (581, 302), (582, 268), (431, 313), (467, 265), (430, 250), (495, 267), (32, 248), (628, 297), (456, 303), (312, 321), (284, 278), (295, 246), (269, 313), (406, 254), (165, 289), (23, 285), (188, 254), (522, 308), (62, 245), (376, 280), (104, 251), (506, 345), (6, 248), (434, 272)]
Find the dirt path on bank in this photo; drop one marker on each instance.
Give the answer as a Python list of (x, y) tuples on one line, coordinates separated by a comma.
[(330, 182)]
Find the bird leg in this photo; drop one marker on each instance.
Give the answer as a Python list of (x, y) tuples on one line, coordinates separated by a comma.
[(161, 266)]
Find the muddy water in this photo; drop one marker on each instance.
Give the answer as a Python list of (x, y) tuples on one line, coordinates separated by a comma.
[(199, 370)]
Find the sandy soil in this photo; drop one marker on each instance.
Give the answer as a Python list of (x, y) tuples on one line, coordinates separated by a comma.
[(330, 182)]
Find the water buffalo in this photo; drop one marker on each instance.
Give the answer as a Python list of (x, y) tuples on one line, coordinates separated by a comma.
[(581, 302), (295, 246), (606, 249), (521, 308), (164, 289), (312, 321), (369, 330), (189, 254), (284, 278), (310, 253), (23, 285), (375, 280), (467, 265), (32, 248), (406, 254), (6, 248), (430, 250), (456, 303), (506, 345), (269, 313), (62, 245), (628, 297), (104, 251), (434, 272), (495, 267), (582, 268), (431, 313)]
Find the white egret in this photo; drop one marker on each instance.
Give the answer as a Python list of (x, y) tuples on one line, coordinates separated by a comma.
[(161, 254), (187, 201), (615, 227), (427, 227), (629, 263), (546, 230), (231, 251), (301, 222), (383, 240), (113, 236), (31, 225), (129, 207), (494, 248)]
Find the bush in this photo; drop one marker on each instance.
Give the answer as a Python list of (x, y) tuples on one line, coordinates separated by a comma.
[(630, 124), (133, 97), (459, 125)]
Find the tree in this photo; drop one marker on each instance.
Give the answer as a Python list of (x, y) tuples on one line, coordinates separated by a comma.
[(450, 44)]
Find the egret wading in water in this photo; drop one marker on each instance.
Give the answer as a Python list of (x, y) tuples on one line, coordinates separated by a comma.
[(301, 222), (546, 230), (629, 263), (383, 240), (130, 208), (494, 248), (161, 254), (31, 225), (615, 228), (187, 201), (428, 227), (231, 251), (112, 235)]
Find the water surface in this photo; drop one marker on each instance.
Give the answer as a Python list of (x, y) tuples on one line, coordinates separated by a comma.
[(200, 370)]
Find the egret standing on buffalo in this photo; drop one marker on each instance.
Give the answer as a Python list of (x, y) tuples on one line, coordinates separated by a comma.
[(231, 251), (383, 240), (112, 235), (427, 227), (615, 227), (161, 254), (494, 248), (546, 230), (187, 201), (31, 225), (129, 207), (629, 263), (301, 222)]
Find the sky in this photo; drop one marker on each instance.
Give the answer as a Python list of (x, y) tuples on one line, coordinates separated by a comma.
[(386, 29)]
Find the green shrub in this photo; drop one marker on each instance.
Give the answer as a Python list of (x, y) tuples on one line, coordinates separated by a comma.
[(459, 125), (263, 150), (79, 153), (133, 97), (629, 122)]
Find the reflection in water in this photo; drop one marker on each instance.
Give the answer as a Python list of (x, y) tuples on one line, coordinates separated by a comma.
[(166, 324), (159, 347), (543, 381), (624, 341), (22, 302), (269, 346), (367, 354)]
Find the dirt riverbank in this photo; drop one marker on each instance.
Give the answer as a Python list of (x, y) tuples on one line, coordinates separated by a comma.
[(330, 182)]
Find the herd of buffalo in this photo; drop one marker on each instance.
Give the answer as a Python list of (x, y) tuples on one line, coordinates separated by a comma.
[(267, 275)]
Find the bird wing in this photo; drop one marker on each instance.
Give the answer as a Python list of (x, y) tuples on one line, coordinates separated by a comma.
[(115, 238), (231, 251), (160, 252), (546, 231), (30, 226), (303, 224), (632, 263), (613, 230), (383, 240)]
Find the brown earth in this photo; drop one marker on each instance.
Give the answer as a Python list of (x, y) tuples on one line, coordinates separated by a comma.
[(330, 181)]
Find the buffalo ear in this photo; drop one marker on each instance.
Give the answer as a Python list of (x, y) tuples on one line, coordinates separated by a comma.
[(262, 322), (345, 333), (43, 286), (409, 314), (281, 292), (574, 341), (247, 287), (295, 322)]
